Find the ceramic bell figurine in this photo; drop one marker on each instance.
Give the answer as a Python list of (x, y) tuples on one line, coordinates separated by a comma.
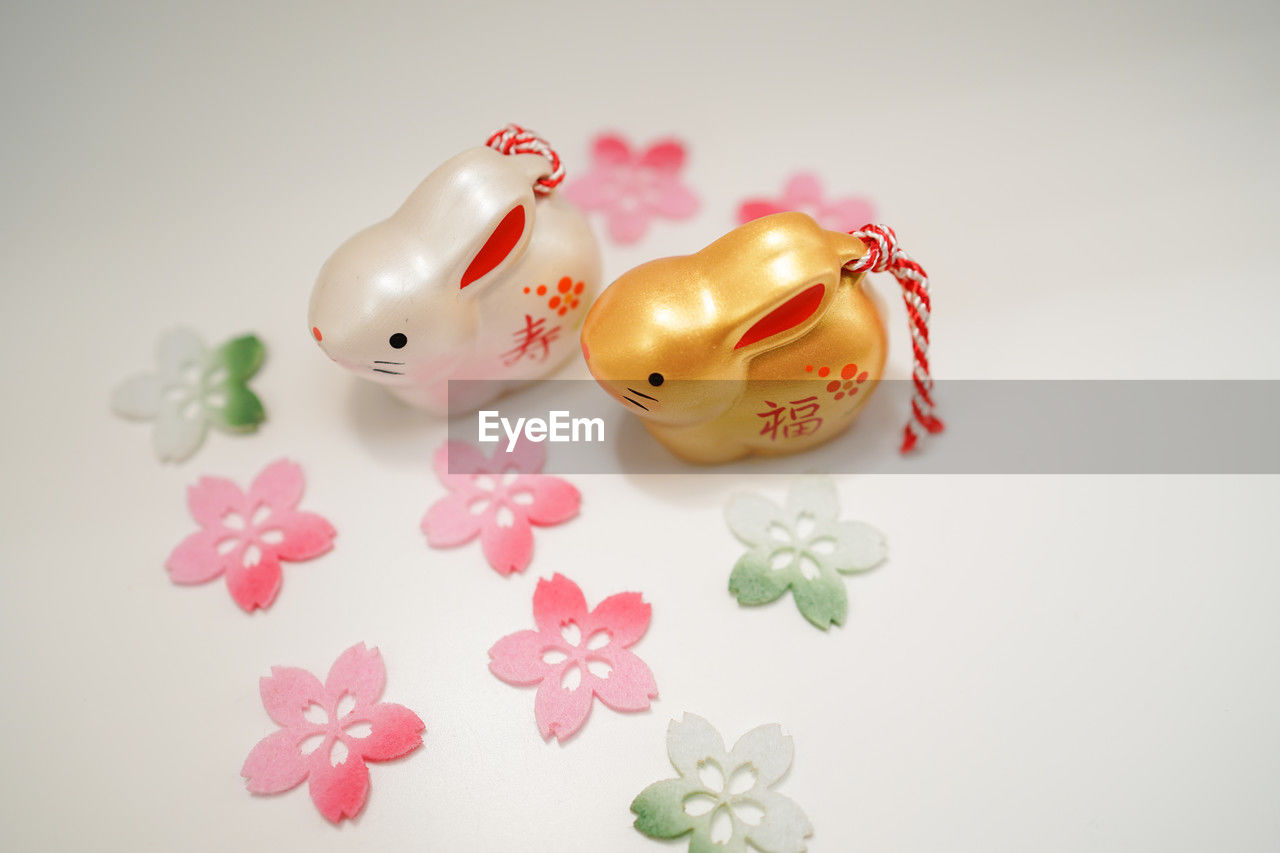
[(765, 342), (484, 272)]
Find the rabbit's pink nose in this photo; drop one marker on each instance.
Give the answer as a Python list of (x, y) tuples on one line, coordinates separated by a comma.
[(315, 333)]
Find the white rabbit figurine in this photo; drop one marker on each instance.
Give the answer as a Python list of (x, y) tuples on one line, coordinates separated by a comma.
[(483, 273)]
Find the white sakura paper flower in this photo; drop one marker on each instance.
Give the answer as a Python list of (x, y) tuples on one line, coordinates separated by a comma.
[(725, 799)]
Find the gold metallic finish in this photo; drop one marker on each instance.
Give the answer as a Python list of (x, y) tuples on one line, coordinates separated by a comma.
[(664, 341)]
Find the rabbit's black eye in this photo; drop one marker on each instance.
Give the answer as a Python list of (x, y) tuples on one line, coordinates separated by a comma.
[(655, 379), (398, 340)]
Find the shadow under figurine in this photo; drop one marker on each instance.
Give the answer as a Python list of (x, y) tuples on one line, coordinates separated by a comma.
[(484, 273), (765, 342)]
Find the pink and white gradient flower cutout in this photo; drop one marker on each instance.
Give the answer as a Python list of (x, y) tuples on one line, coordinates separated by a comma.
[(575, 656), (631, 187), (803, 192), (245, 536), (498, 499), (328, 731)]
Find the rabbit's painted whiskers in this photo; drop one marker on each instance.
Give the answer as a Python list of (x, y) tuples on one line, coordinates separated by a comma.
[(637, 402)]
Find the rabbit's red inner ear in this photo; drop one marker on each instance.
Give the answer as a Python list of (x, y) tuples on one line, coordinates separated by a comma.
[(788, 315), (500, 243)]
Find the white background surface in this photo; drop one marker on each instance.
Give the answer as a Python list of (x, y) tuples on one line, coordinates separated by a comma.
[(1048, 664)]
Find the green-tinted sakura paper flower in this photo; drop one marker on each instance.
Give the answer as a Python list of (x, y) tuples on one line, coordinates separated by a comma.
[(193, 389), (802, 547), (725, 799)]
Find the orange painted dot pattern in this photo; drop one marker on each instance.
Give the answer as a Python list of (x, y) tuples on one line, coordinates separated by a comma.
[(846, 385), (566, 295)]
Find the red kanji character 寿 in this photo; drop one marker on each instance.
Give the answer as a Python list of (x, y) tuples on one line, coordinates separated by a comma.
[(533, 341)]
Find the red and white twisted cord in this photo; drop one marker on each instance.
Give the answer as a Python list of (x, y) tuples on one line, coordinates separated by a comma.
[(883, 255), (514, 139)]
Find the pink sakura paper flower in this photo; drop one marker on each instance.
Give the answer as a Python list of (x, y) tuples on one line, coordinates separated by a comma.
[(631, 187), (329, 731), (574, 656), (803, 192), (245, 536), (497, 499)]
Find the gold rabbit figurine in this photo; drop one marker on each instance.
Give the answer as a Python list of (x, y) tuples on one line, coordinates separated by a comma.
[(765, 342)]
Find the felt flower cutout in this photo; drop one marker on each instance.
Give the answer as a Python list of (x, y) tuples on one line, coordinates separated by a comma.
[(245, 536), (725, 799), (631, 187), (800, 547), (803, 192), (497, 498), (328, 731), (193, 389), (574, 656)]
